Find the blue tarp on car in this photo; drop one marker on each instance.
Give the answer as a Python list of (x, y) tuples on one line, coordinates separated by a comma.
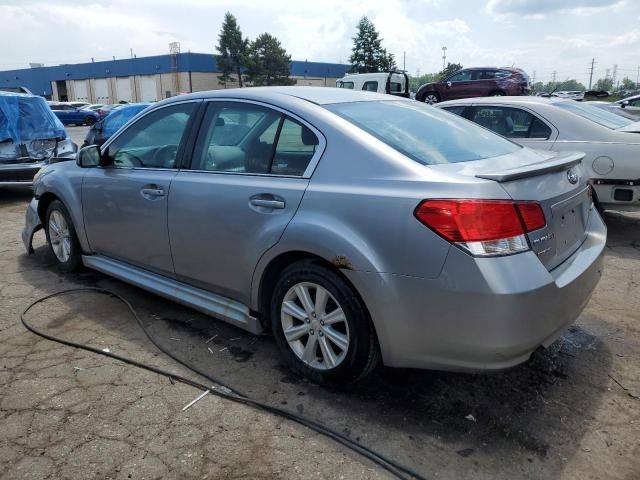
[(24, 118)]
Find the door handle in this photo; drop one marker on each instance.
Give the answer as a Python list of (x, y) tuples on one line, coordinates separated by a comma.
[(261, 202), (151, 193)]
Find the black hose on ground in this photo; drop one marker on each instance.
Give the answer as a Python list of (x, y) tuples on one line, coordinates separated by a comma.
[(227, 392)]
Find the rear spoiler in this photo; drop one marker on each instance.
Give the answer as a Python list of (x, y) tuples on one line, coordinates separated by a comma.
[(563, 161)]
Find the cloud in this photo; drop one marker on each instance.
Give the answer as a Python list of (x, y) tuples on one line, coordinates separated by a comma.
[(538, 8)]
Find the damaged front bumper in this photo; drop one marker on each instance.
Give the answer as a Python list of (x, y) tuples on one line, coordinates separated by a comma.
[(32, 224), (20, 174)]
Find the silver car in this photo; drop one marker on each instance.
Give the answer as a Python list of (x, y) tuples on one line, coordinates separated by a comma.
[(355, 227), (611, 143)]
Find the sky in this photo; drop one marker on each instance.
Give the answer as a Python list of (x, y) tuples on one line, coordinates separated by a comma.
[(540, 36)]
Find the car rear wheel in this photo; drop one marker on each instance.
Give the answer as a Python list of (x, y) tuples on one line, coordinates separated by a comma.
[(61, 237), (90, 120), (497, 93), (321, 327), (431, 98)]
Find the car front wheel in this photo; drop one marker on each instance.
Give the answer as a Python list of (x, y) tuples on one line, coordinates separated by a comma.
[(431, 98), (61, 237), (321, 327)]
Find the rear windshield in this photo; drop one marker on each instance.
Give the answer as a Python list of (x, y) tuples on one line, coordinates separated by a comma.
[(595, 114), (423, 133)]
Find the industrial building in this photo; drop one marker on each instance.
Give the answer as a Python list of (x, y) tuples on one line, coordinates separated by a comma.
[(145, 79)]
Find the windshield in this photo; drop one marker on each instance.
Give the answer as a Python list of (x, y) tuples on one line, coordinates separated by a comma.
[(423, 133), (595, 114)]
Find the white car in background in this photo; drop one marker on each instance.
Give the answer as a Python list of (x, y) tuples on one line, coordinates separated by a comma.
[(611, 142), (391, 83)]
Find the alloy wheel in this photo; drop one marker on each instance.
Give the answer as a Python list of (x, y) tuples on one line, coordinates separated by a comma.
[(315, 326), (431, 98), (60, 236)]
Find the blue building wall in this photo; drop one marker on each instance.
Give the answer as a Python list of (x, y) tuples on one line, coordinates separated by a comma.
[(38, 80)]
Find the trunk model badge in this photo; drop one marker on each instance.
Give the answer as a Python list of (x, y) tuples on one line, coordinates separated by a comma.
[(572, 176)]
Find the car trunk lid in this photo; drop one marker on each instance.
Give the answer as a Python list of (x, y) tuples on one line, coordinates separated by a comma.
[(558, 182)]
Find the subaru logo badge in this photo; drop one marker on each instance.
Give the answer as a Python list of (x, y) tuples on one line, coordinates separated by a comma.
[(572, 176)]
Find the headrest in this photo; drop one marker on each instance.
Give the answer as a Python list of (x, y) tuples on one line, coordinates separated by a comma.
[(219, 122)]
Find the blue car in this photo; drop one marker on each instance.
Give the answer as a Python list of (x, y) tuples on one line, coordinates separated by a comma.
[(101, 131), (70, 115)]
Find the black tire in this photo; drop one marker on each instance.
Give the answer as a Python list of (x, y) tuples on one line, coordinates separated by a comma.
[(74, 262), (363, 352), (90, 120), (497, 93), (431, 98)]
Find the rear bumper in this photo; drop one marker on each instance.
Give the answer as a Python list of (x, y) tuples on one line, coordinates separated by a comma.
[(618, 196), (20, 173), (481, 313)]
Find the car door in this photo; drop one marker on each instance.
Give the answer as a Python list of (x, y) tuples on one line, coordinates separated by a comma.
[(125, 201), (458, 85), (518, 124), (62, 112), (249, 169), (483, 82)]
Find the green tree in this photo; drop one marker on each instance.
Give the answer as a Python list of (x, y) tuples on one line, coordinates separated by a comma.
[(627, 84), (450, 69), (604, 84), (268, 62), (416, 82), (367, 54), (232, 50)]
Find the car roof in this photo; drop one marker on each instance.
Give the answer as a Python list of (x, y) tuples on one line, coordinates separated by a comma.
[(514, 100), (317, 95), (16, 94)]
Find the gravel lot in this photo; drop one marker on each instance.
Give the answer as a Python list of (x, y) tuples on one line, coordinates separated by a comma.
[(573, 412)]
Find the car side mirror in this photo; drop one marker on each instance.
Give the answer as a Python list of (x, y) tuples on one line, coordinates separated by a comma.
[(625, 103), (448, 84), (89, 157)]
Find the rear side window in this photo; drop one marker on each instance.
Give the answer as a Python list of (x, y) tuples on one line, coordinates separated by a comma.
[(247, 138), (348, 85), (423, 133), (395, 87), (510, 122), (484, 75), (370, 86)]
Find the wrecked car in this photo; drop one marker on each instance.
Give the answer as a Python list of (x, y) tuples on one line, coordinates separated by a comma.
[(31, 136), (356, 227)]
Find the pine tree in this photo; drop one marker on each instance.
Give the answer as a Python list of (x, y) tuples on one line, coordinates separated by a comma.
[(232, 50), (268, 62), (367, 53)]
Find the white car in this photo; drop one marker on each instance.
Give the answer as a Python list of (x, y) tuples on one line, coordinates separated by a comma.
[(392, 83), (611, 142)]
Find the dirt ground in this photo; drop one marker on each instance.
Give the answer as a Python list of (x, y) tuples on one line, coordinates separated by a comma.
[(572, 412)]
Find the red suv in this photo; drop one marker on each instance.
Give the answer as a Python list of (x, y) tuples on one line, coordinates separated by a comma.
[(476, 82)]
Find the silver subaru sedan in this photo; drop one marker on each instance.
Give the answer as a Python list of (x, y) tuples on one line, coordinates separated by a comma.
[(359, 229)]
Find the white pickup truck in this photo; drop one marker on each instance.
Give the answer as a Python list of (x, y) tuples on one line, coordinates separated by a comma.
[(392, 83)]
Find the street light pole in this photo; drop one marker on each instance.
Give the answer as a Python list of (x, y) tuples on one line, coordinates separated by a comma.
[(444, 57)]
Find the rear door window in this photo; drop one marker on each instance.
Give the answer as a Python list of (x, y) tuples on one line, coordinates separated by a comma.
[(246, 138), (510, 122), (370, 86)]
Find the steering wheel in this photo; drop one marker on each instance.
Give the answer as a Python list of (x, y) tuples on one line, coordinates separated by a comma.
[(164, 156)]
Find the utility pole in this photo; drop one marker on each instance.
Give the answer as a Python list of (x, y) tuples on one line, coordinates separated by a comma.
[(593, 62), (444, 57), (638, 78), (614, 75), (404, 61), (554, 76), (533, 79)]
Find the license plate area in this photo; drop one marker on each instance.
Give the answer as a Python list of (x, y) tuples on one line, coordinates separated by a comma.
[(569, 222)]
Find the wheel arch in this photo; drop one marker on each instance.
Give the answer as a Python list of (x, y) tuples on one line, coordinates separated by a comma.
[(46, 198), (275, 266)]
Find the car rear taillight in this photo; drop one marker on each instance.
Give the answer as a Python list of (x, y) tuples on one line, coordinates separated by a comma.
[(482, 227)]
